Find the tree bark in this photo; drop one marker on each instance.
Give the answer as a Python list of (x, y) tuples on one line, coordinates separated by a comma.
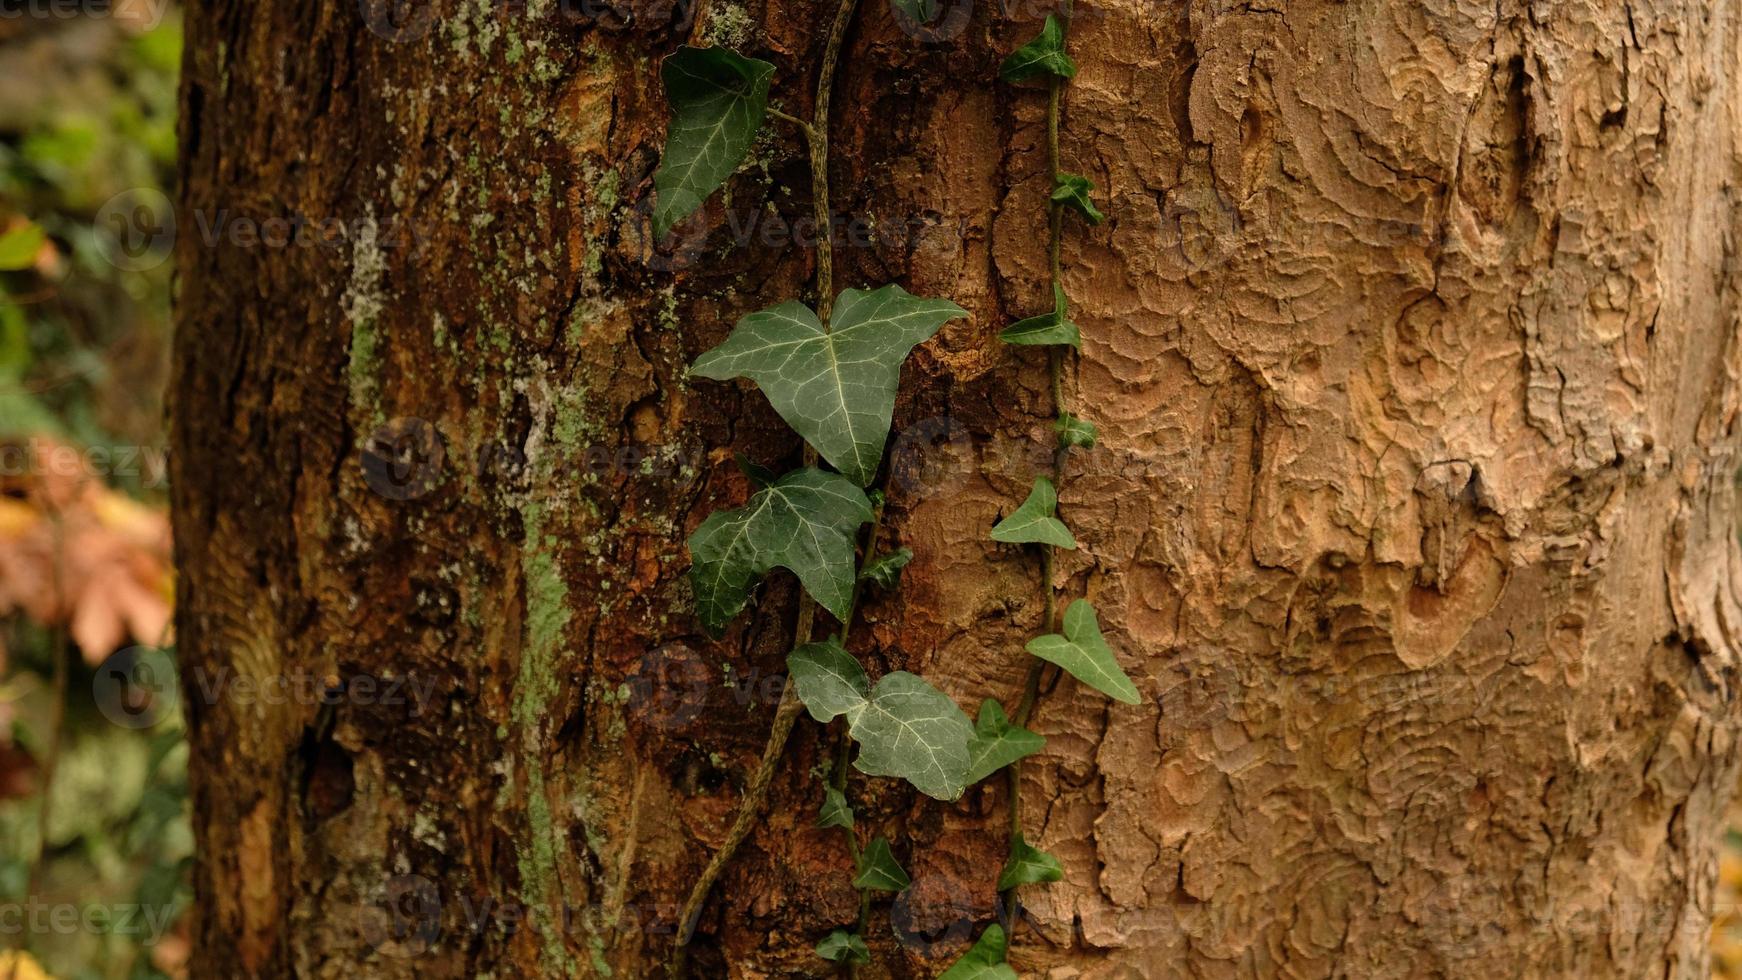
[(1412, 338)]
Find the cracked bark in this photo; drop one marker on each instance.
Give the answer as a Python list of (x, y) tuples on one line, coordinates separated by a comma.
[(1412, 340)]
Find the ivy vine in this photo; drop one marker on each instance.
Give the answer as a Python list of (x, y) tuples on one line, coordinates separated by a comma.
[(831, 373)]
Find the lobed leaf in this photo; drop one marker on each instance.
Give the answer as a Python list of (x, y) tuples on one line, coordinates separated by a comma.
[(1083, 653), (1073, 192), (829, 680), (985, 961), (878, 869), (835, 811), (885, 571), (842, 946), (1047, 329), (1028, 865), (718, 99), (1074, 432), (913, 730), (904, 726), (1033, 522), (806, 522), (1045, 55), (835, 386), (997, 743)]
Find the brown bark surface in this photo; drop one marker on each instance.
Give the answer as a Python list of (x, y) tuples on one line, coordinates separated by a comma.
[(1413, 342)]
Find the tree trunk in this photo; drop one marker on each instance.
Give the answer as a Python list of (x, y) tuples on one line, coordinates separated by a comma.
[(1412, 338)]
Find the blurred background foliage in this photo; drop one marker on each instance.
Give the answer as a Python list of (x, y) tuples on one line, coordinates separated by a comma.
[(87, 115)]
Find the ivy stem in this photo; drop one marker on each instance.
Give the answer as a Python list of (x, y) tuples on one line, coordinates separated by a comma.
[(1031, 687), (843, 746), (786, 715)]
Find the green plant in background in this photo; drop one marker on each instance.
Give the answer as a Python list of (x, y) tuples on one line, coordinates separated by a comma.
[(831, 373), (1077, 648), (89, 114)]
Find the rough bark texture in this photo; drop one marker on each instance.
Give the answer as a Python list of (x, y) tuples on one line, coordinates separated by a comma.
[(1413, 342)]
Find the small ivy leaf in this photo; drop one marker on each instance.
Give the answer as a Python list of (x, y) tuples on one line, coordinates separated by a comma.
[(19, 247), (842, 946), (1045, 55), (753, 471), (985, 961), (876, 497), (829, 680), (1028, 865), (878, 869), (1084, 654), (1033, 522), (805, 521), (997, 743), (718, 99), (914, 731), (1073, 192), (1074, 432), (1047, 328), (836, 387), (836, 811), (885, 571)]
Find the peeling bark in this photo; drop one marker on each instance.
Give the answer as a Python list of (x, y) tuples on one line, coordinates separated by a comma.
[(1412, 338)]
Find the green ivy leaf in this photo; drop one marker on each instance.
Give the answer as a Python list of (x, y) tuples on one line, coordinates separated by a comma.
[(805, 521), (836, 811), (1084, 654), (718, 99), (753, 471), (985, 961), (997, 743), (829, 680), (1073, 192), (1074, 432), (843, 946), (915, 731), (1028, 865), (1045, 55), (878, 869), (904, 726), (1033, 522), (885, 571), (837, 386), (19, 246), (1048, 328)]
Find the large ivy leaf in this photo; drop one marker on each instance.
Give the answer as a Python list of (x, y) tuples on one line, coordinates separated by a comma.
[(997, 743), (915, 731), (904, 726), (1045, 55), (836, 387), (1072, 191), (805, 522), (1084, 654), (878, 869), (718, 99), (985, 961), (829, 680), (1048, 328), (1028, 865), (1033, 522), (843, 946)]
